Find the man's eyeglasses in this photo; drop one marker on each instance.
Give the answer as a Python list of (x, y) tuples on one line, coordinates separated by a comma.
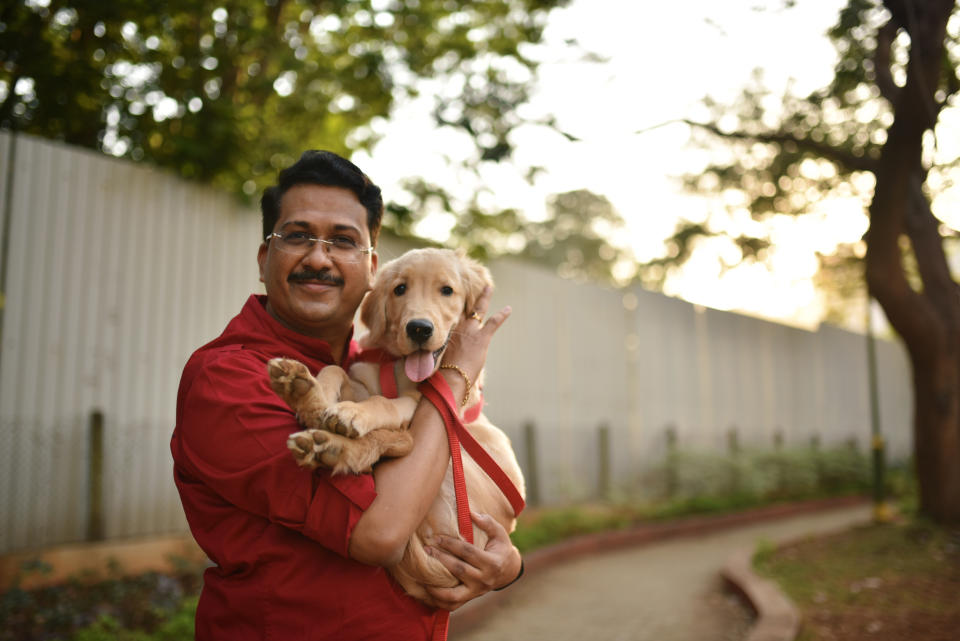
[(339, 247)]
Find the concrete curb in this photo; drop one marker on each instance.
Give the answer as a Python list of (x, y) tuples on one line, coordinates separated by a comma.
[(777, 617), (474, 613)]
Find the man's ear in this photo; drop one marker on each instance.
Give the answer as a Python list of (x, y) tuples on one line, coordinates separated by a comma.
[(374, 260), (475, 278), (262, 258)]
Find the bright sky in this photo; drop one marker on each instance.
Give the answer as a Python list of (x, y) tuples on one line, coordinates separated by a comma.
[(663, 59)]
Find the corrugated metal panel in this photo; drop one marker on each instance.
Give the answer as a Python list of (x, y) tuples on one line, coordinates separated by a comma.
[(116, 272)]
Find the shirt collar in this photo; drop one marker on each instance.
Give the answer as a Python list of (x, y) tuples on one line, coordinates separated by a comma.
[(309, 346)]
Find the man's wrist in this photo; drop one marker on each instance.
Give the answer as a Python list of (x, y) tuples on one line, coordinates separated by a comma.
[(456, 381), (515, 579)]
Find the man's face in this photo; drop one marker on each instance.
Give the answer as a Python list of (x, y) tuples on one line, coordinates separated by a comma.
[(313, 293)]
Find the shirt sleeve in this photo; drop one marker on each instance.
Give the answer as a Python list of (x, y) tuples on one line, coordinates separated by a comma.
[(232, 438)]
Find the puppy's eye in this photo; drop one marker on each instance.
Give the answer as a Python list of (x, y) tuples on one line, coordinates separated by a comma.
[(400, 289), (446, 290)]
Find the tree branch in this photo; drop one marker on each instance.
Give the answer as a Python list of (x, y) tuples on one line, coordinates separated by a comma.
[(899, 173), (923, 229), (847, 160), (881, 61)]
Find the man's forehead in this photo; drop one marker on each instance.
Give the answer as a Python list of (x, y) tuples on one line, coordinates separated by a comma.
[(324, 223), (321, 206), (320, 198)]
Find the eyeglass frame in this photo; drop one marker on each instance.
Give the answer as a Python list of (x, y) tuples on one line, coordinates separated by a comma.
[(313, 240)]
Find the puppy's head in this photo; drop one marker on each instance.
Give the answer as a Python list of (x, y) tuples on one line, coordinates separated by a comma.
[(416, 301)]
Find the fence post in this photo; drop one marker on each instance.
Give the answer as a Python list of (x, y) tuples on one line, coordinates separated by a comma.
[(603, 449), (817, 461), (733, 449), (532, 477), (672, 481), (853, 445), (95, 529), (781, 461)]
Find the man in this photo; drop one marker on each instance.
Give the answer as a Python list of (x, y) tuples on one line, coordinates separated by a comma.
[(300, 554)]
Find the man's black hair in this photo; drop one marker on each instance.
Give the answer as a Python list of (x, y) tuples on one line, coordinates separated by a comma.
[(318, 167)]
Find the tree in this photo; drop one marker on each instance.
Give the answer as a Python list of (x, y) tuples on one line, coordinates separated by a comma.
[(577, 238), (228, 91), (875, 127)]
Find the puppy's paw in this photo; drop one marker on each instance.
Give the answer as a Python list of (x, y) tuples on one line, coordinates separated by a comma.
[(290, 379), (301, 445), (319, 448), (346, 418)]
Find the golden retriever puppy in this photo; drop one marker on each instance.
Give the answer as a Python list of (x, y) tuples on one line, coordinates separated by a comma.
[(414, 306)]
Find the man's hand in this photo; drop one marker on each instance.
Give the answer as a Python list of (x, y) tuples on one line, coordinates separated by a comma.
[(479, 571), (468, 345)]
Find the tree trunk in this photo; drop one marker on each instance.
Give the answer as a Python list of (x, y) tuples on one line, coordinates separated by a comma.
[(928, 321), (936, 432)]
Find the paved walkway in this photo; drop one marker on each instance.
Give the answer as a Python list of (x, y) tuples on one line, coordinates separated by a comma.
[(665, 591)]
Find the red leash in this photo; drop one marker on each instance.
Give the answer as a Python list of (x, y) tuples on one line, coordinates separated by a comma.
[(443, 403), (437, 391)]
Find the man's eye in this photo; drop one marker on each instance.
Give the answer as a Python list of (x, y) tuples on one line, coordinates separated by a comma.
[(296, 237), (343, 242), (400, 289), (446, 290)]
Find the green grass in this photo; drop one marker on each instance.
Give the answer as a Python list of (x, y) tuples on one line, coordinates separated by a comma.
[(177, 625)]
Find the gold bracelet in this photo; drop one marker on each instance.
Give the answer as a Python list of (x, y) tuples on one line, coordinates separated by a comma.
[(466, 379)]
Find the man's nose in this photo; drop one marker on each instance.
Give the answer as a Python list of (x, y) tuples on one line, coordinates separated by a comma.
[(318, 255), (419, 330)]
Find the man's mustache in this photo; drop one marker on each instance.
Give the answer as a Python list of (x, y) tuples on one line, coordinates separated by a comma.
[(322, 276)]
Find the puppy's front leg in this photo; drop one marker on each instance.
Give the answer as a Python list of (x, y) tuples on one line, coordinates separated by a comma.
[(375, 413), (320, 448), (306, 395)]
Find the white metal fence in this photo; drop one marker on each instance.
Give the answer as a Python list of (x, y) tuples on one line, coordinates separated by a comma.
[(115, 272)]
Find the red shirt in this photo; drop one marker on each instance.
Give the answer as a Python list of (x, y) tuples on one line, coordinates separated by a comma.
[(277, 533)]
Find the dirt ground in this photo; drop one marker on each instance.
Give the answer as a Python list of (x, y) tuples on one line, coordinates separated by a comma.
[(879, 582)]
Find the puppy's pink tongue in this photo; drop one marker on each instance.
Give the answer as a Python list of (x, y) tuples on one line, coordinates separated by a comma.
[(418, 365)]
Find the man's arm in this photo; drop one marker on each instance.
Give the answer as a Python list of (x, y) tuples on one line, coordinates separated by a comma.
[(230, 446), (407, 486)]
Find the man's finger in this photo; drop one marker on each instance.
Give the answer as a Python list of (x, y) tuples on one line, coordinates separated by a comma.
[(450, 598), (494, 322), (460, 549), (458, 566), (489, 525), (483, 301)]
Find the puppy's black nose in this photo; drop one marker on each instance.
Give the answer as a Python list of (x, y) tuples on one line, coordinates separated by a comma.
[(419, 330)]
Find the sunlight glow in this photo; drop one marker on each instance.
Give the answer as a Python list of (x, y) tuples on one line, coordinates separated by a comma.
[(660, 63)]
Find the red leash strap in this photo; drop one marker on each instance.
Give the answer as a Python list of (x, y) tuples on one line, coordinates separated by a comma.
[(388, 382), (450, 419), (473, 412), (437, 391), (441, 623), (435, 388)]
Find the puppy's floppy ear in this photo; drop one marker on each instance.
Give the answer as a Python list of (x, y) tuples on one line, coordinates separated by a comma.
[(475, 279), (373, 312)]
